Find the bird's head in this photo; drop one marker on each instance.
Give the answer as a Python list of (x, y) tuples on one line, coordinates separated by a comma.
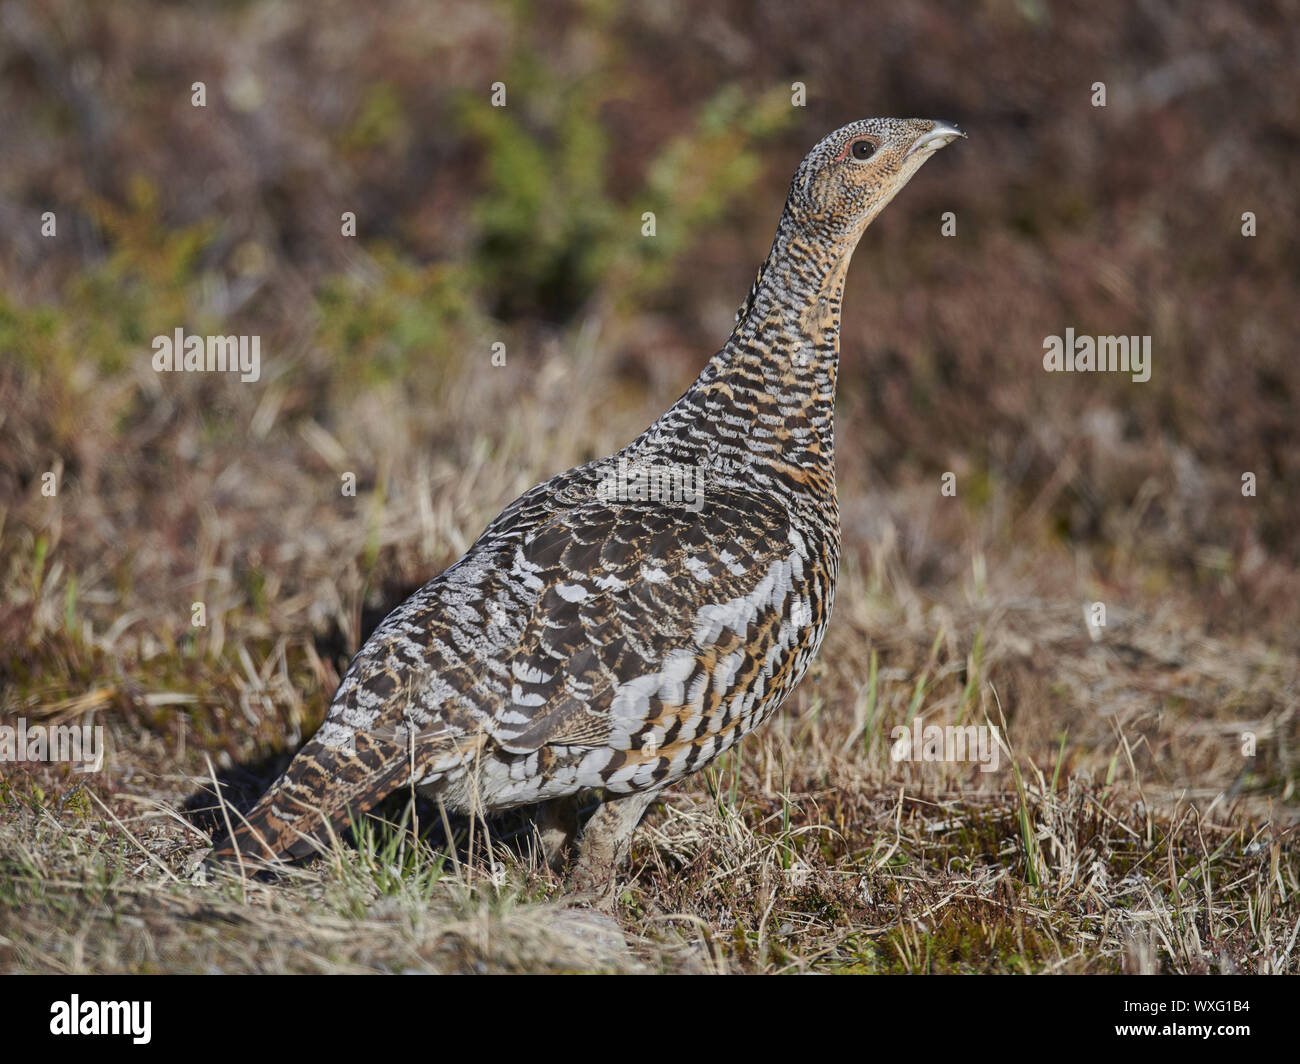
[(849, 177)]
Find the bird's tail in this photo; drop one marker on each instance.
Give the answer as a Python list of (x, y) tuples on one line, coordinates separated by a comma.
[(313, 799)]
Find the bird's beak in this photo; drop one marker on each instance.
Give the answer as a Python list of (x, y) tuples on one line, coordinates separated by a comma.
[(943, 133)]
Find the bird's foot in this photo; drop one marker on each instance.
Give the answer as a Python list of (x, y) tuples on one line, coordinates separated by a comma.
[(557, 827), (603, 848)]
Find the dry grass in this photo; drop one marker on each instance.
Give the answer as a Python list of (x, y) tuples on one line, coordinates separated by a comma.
[(1125, 829)]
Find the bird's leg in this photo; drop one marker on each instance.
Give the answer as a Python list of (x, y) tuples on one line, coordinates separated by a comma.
[(557, 826), (606, 841)]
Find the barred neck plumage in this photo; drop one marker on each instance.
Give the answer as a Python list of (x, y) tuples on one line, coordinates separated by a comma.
[(761, 414)]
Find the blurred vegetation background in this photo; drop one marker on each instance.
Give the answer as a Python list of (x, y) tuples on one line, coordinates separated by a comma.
[(478, 225)]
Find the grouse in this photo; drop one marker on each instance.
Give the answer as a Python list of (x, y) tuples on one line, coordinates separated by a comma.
[(622, 624)]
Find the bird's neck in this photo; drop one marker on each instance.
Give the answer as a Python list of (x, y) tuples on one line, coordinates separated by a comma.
[(764, 404)]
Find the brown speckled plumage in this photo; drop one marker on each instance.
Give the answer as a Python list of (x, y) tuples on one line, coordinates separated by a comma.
[(601, 637)]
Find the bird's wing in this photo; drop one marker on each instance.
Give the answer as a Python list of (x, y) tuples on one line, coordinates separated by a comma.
[(641, 607)]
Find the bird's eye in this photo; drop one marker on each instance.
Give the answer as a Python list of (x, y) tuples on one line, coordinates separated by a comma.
[(863, 149)]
